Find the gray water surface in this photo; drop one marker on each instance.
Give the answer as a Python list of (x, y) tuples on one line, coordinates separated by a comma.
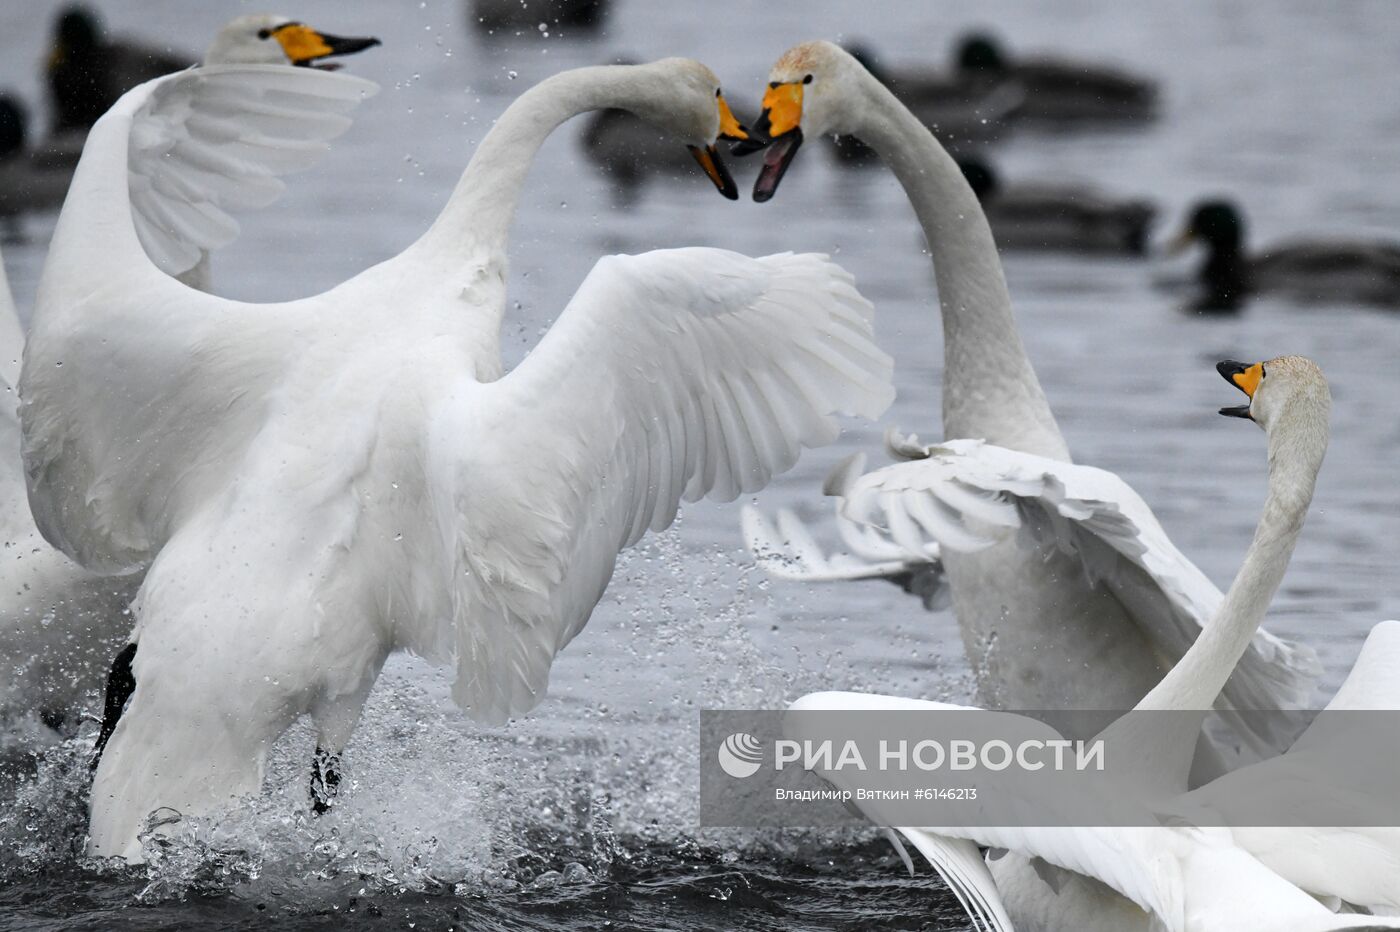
[(585, 812)]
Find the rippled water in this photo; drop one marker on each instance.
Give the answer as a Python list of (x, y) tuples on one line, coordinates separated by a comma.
[(585, 813)]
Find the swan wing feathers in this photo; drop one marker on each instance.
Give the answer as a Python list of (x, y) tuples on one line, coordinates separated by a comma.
[(1137, 862), (967, 494), (1374, 681), (670, 376), (213, 140)]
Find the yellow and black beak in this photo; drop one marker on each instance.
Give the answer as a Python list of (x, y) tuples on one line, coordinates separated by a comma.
[(304, 45), (708, 157), (715, 170), (779, 130), (1246, 378)]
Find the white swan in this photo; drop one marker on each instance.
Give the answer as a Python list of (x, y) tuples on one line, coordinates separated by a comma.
[(320, 482), (1180, 879), (1048, 619), (1356, 864), (59, 623), (62, 623)]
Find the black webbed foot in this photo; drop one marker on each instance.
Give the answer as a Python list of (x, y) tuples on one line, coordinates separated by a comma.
[(121, 683)]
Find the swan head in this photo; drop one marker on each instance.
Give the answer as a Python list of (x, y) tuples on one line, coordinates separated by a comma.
[(1277, 388), (692, 108), (269, 39), (808, 93)]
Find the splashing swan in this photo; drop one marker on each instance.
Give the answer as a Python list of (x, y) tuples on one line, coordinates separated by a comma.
[(320, 482), (1045, 592), (1178, 879), (62, 623)]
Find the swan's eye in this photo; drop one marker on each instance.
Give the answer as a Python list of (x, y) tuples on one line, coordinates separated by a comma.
[(775, 84), (264, 33), (807, 80), (717, 92), (1263, 373)]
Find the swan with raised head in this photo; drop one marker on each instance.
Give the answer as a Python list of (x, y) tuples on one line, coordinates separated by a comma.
[(1182, 879), (317, 483), (1036, 617)]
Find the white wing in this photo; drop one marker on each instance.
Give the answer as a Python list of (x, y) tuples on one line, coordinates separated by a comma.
[(1342, 761), (965, 493), (11, 342), (212, 140), (1127, 859), (677, 374), (150, 196), (1374, 680)]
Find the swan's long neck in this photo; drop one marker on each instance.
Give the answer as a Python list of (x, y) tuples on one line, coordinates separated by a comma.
[(478, 215), (1296, 447), (989, 387)]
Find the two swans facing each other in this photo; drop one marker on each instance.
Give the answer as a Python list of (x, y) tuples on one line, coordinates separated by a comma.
[(324, 481)]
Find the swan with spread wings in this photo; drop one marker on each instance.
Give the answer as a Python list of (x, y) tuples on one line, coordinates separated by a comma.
[(317, 483)]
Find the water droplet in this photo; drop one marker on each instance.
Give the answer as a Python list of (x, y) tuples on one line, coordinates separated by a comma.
[(512, 75)]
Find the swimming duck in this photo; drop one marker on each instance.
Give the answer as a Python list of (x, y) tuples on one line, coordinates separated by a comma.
[(1308, 270), (1058, 217), (1057, 90)]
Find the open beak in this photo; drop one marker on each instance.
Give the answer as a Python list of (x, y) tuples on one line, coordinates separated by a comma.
[(1246, 378), (714, 169), (708, 157), (779, 131), (304, 45)]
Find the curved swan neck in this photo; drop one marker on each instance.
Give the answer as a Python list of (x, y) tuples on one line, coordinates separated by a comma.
[(989, 387), (479, 213), (1297, 444)]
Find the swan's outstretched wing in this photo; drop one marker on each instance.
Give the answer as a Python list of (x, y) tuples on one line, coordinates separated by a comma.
[(210, 141), (1345, 763), (965, 494), (11, 342), (677, 374), (1374, 681), (151, 196), (785, 549)]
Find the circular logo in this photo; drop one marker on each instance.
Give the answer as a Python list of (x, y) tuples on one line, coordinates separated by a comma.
[(740, 755)]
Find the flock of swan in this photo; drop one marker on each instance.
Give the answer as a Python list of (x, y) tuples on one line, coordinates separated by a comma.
[(235, 512)]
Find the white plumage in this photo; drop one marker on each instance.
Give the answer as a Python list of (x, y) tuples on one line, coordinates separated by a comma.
[(317, 483), (1181, 878), (1051, 617)]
